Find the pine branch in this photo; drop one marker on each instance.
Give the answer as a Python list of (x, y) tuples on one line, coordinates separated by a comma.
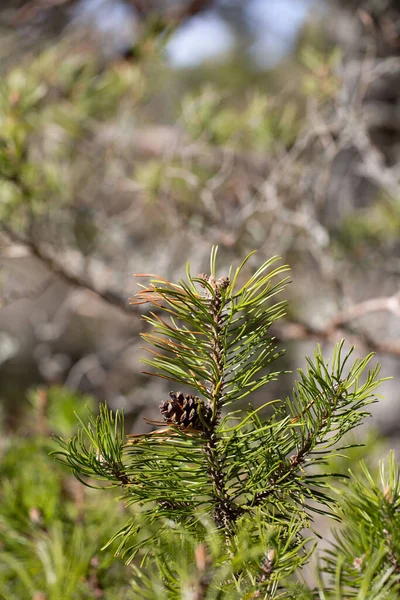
[(227, 330), (225, 513), (96, 452), (326, 405), (394, 560), (217, 343), (240, 487), (367, 547)]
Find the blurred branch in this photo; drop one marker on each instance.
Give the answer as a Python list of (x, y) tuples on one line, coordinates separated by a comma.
[(33, 8), (341, 324), (288, 331), (285, 331), (387, 304), (158, 141), (74, 279), (204, 577), (190, 9), (178, 12)]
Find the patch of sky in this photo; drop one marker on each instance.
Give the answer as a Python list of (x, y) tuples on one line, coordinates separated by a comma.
[(274, 26), (202, 38)]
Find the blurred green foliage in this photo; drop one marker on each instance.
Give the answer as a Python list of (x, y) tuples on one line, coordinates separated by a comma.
[(373, 226), (321, 80), (260, 124), (46, 106), (51, 529), (52, 105)]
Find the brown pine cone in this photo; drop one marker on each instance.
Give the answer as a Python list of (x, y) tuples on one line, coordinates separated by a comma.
[(184, 410)]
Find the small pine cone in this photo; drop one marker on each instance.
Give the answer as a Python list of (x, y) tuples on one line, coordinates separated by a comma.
[(184, 410), (223, 283), (217, 285)]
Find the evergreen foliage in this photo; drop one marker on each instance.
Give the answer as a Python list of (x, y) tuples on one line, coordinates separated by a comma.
[(220, 496), (218, 501), (51, 530), (364, 560)]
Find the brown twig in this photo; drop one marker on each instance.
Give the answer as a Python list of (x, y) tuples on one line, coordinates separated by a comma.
[(93, 579)]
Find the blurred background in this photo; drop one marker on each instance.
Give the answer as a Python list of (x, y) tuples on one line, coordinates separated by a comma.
[(136, 134)]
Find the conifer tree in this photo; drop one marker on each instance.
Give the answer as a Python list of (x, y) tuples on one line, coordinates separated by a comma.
[(220, 494)]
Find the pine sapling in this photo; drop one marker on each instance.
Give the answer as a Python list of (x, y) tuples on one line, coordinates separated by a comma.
[(220, 493)]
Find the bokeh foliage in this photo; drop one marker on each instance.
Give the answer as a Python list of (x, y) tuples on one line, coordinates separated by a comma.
[(51, 531)]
